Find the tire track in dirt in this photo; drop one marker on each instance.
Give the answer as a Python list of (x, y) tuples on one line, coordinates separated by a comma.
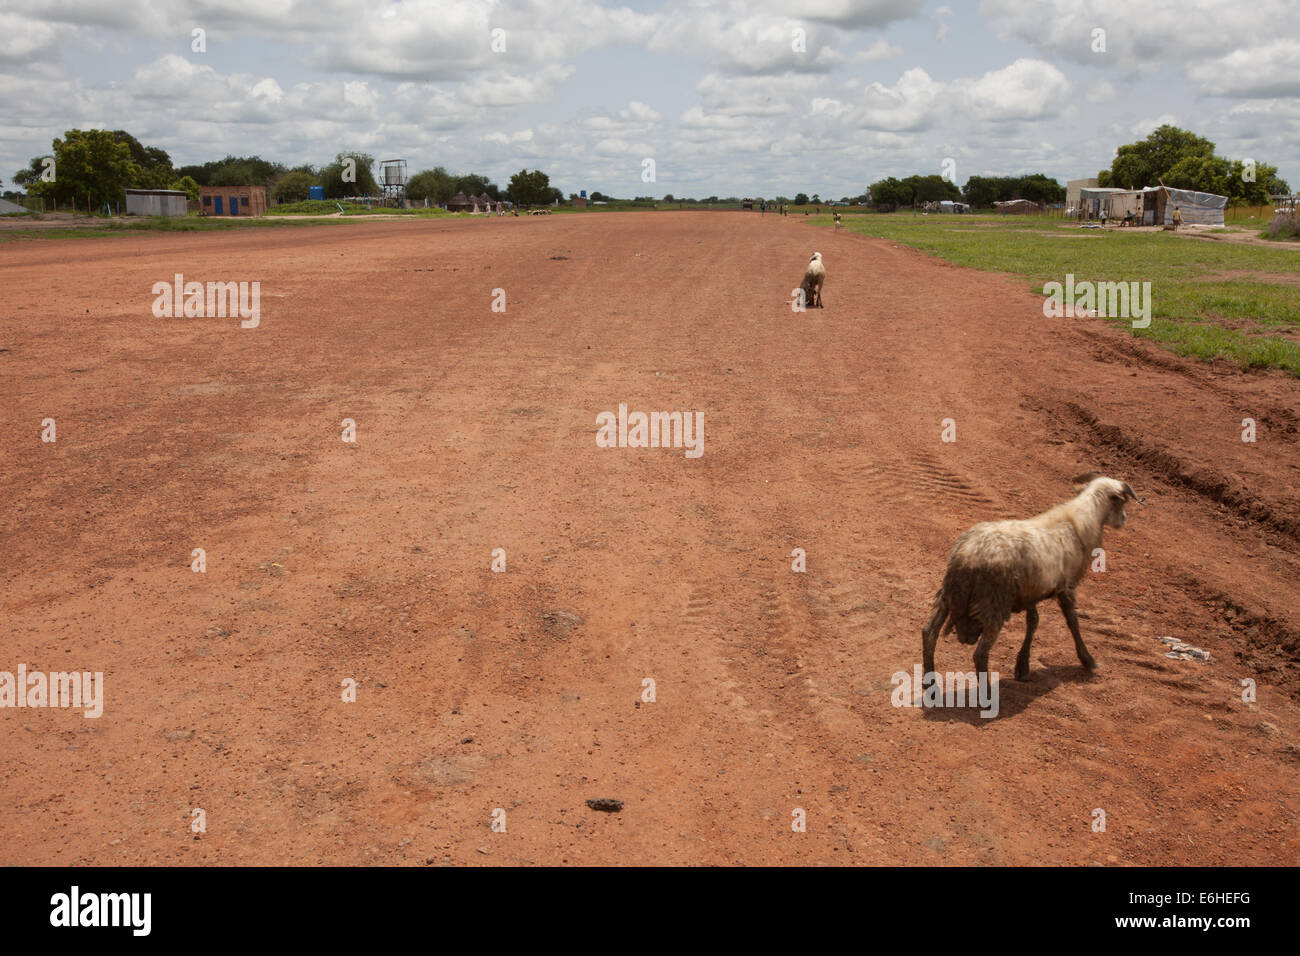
[(1217, 487)]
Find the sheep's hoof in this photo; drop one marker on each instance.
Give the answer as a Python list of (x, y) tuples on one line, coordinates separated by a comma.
[(1022, 674), (1088, 663)]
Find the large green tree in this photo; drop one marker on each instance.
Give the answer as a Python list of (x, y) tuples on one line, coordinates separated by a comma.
[(983, 191), (530, 189), (188, 186), (1183, 160), (1147, 161), (91, 167), (436, 185), (152, 162), (101, 164), (1231, 178), (349, 175), (473, 184), (294, 186), (889, 193), (235, 171), (931, 188), (32, 173)]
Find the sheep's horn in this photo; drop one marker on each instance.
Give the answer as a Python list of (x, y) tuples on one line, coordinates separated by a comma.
[(1130, 493)]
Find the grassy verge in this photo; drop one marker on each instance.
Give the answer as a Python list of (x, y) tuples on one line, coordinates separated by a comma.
[(1196, 310), (76, 229), (328, 207), (277, 216)]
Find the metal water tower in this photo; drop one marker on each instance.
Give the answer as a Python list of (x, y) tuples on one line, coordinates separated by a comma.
[(392, 180)]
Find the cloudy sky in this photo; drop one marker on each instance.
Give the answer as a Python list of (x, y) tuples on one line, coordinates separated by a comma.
[(727, 96)]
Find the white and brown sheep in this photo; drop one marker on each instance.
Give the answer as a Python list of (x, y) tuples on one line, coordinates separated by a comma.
[(999, 568), (813, 279)]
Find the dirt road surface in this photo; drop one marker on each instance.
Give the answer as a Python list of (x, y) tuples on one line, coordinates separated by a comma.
[(521, 691)]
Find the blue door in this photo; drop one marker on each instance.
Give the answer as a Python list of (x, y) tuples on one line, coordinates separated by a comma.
[(216, 206), (234, 205)]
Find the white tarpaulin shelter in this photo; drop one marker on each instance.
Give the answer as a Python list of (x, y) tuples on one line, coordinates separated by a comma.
[(1202, 209), (1155, 205)]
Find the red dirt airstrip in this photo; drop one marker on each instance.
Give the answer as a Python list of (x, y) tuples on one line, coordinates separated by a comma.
[(521, 691)]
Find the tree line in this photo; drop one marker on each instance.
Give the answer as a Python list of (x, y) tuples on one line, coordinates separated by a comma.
[(96, 166), (1168, 156)]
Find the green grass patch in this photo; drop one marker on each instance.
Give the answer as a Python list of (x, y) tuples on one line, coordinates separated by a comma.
[(1270, 305), (1208, 341), (288, 216), (330, 207), (82, 230), (1192, 314)]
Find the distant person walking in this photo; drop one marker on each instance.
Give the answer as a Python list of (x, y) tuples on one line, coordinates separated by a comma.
[(1103, 216), (1178, 217)]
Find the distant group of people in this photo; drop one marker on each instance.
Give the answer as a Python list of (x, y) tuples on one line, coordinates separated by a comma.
[(782, 210), (1129, 218)]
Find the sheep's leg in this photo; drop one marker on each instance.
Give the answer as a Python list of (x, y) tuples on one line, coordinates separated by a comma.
[(1022, 659), (987, 637), (930, 636), (1066, 600)]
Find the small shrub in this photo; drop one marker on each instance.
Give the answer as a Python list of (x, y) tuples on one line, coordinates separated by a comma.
[(1284, 226)]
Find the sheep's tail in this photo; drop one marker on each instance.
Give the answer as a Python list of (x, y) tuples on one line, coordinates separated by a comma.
[(960, 615)]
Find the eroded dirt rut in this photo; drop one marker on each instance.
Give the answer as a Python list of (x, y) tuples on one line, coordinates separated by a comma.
[(521, 691)]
